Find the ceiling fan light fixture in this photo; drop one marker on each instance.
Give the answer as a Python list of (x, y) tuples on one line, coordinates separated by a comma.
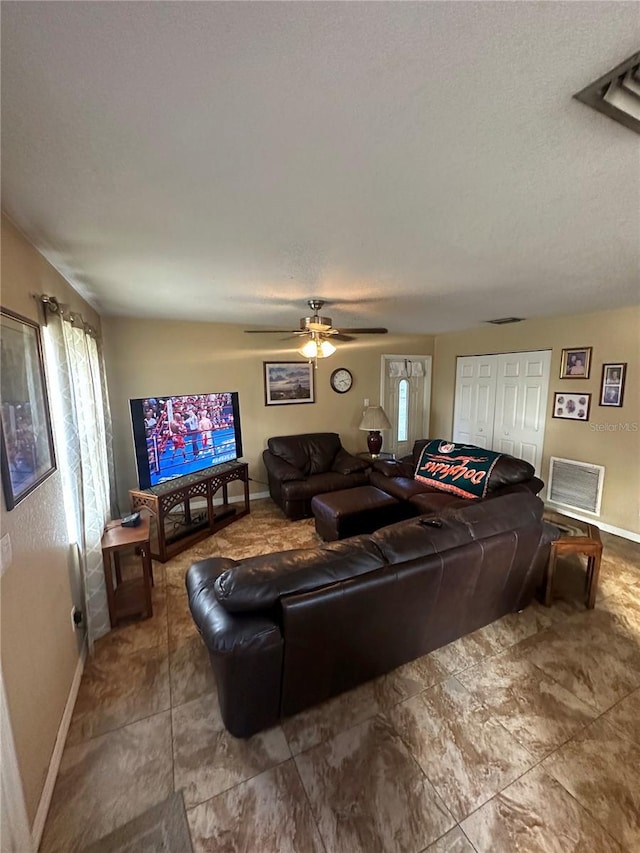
[(309, 350), (326, 349), (317, 349)]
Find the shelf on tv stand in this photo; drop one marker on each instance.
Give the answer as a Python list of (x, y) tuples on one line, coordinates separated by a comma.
[(183, 510)]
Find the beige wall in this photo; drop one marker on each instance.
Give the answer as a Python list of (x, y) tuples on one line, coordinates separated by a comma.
[(38, 646), (615, 337), (151, 357)]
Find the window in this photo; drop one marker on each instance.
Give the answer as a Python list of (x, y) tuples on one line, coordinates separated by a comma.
[(403, 410)]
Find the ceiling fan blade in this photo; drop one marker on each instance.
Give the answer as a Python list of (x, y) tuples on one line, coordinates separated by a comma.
[(270, 331), (338, 336), (380, 331)]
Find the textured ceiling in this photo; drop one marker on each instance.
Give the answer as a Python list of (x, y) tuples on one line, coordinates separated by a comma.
[(418, 165)]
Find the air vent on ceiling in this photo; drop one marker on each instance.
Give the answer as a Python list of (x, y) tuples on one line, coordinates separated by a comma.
[(576, 485), (617, 94), (502, 321)]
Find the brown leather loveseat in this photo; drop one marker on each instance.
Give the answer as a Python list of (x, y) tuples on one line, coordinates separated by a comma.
[(287, 630), (302, 466)]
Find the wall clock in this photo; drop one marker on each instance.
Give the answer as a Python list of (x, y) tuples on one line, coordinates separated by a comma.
[(341, 380)]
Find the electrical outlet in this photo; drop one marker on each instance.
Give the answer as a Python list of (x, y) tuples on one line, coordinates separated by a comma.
[(76, 618), (6, 553), (366, 403)]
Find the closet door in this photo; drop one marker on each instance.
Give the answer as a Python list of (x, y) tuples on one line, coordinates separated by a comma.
[(474, 411), (522, 384)]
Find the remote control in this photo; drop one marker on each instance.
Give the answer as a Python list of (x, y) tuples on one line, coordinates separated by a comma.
[(431, 522)]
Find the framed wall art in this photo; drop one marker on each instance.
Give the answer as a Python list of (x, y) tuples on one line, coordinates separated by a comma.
[(575, 363), (612, 385), (27, 456), (288, 382), (572, 407)]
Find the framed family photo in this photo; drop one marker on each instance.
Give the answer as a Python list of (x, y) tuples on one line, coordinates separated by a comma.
[(288, 382), (26, 442), (612, 385), (575, 363), (571, 407)]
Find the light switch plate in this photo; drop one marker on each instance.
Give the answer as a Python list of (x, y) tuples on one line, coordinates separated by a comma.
[(6, 554)]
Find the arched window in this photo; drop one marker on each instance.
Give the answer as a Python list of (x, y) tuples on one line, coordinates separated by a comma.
[(403, 410)]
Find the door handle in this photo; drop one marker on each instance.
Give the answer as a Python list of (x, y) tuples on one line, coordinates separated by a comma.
[(506, 433)]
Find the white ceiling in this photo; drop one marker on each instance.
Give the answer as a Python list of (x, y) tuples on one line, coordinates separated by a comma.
[(419, 165)]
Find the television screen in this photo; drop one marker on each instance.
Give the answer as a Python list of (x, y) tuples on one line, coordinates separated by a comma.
[(180, 435)]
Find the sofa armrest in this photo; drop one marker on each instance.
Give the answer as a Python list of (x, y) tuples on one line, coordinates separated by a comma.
[(345, 463), (279, 469), (533, 487), (245, 651), (393, 468)]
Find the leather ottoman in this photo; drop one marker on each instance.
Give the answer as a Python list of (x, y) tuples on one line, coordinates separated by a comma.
[(363, 509)]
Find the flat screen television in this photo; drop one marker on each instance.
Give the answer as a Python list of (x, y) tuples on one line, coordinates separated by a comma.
[(183, 434)]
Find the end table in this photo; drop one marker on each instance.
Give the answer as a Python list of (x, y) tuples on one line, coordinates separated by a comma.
[(381, 456), (578, 537), (132, 596)]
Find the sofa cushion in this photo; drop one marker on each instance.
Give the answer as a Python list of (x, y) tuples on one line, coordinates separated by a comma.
[(454, 526), (508, 470), (433, 501), (345, 463), (402, 488), (310, 453), (462, 469), (301, 490), (258, 583)]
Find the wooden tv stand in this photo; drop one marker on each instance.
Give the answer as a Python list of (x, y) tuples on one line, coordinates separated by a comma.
[(183, 511)]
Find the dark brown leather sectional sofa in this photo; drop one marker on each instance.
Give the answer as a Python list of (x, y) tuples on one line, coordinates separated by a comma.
[(299, 467), (509, 476), (285, 631)]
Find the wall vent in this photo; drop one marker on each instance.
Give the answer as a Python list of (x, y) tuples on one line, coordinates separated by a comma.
[(576, 485), (617, 94)]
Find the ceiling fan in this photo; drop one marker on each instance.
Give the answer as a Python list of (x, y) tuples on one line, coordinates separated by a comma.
[(320, 332)]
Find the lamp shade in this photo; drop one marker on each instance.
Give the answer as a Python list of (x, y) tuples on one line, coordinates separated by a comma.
[(375, 418)]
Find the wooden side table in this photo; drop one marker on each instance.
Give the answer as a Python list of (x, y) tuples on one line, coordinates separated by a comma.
[(129, 597), (381, 456), (579, 537)]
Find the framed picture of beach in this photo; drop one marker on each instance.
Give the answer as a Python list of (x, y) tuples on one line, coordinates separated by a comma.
[(288, 382)]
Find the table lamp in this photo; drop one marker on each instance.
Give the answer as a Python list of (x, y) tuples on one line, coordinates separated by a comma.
[(374, 419)]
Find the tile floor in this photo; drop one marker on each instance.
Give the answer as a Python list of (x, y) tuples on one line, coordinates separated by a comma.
[(524, 736)]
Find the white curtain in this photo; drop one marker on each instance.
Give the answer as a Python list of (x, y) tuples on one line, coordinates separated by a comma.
[(397, 369), (405, 368), (88, 474)]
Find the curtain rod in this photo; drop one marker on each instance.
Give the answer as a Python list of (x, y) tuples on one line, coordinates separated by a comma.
[(51, 304)]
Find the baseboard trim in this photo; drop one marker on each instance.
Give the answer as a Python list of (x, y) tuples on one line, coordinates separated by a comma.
[(236, 499), (608, 528), (56, 757)]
